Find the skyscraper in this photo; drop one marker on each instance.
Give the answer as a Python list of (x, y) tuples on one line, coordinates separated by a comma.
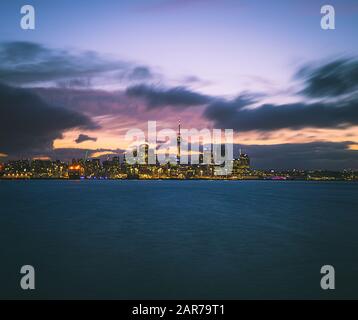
[(178, 144)]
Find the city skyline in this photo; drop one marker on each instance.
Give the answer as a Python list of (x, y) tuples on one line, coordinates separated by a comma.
[(117, 168), (291, 98), (169, 154)]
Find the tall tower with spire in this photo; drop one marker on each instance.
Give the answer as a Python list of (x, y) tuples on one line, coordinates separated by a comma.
[(178, 144)]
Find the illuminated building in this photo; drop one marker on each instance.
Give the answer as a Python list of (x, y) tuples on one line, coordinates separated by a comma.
[(143, 154), (241, 166), (2, 168), (114, 169), (75, 172), (244, 160)]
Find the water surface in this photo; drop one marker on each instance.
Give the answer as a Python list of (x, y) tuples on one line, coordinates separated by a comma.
[(178, 239)]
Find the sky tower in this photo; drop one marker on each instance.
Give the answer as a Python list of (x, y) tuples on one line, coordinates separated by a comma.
[(178, 144)]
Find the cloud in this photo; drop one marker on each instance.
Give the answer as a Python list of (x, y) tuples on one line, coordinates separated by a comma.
[(329, 80), (81, 84), (67, 154), (90, 101), (84, 137), (31, 124), (116, 112), (140, 73), (28, 63), (273, 117), (160, 97), (33, 120), (325, 81), (337, 79), (192, 79), (315, 155)]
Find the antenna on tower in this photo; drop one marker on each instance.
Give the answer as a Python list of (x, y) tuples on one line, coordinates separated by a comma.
[(178, 144)]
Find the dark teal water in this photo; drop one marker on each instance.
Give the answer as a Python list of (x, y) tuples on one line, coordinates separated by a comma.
[(178, 239)]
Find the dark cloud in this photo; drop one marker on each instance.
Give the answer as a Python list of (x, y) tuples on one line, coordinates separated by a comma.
[(140, 73), (84, 137), (337, 79), (31, 120), (315, 155), (29, 124), (332, 79), (67, 154), (269, 117), (160, 97), (192, 79), (89, 101), (326, 81), (81, 83), (32, 63)]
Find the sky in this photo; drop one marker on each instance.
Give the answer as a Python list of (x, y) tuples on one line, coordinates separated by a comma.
[(90, 71)]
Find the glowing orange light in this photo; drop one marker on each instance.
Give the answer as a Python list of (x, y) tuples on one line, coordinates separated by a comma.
[(353, 147), (77, 167)]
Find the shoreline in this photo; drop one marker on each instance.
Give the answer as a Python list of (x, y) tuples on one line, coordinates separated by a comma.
[(176, 179)]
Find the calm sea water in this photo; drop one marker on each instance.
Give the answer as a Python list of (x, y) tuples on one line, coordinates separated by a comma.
[(178, 239)]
